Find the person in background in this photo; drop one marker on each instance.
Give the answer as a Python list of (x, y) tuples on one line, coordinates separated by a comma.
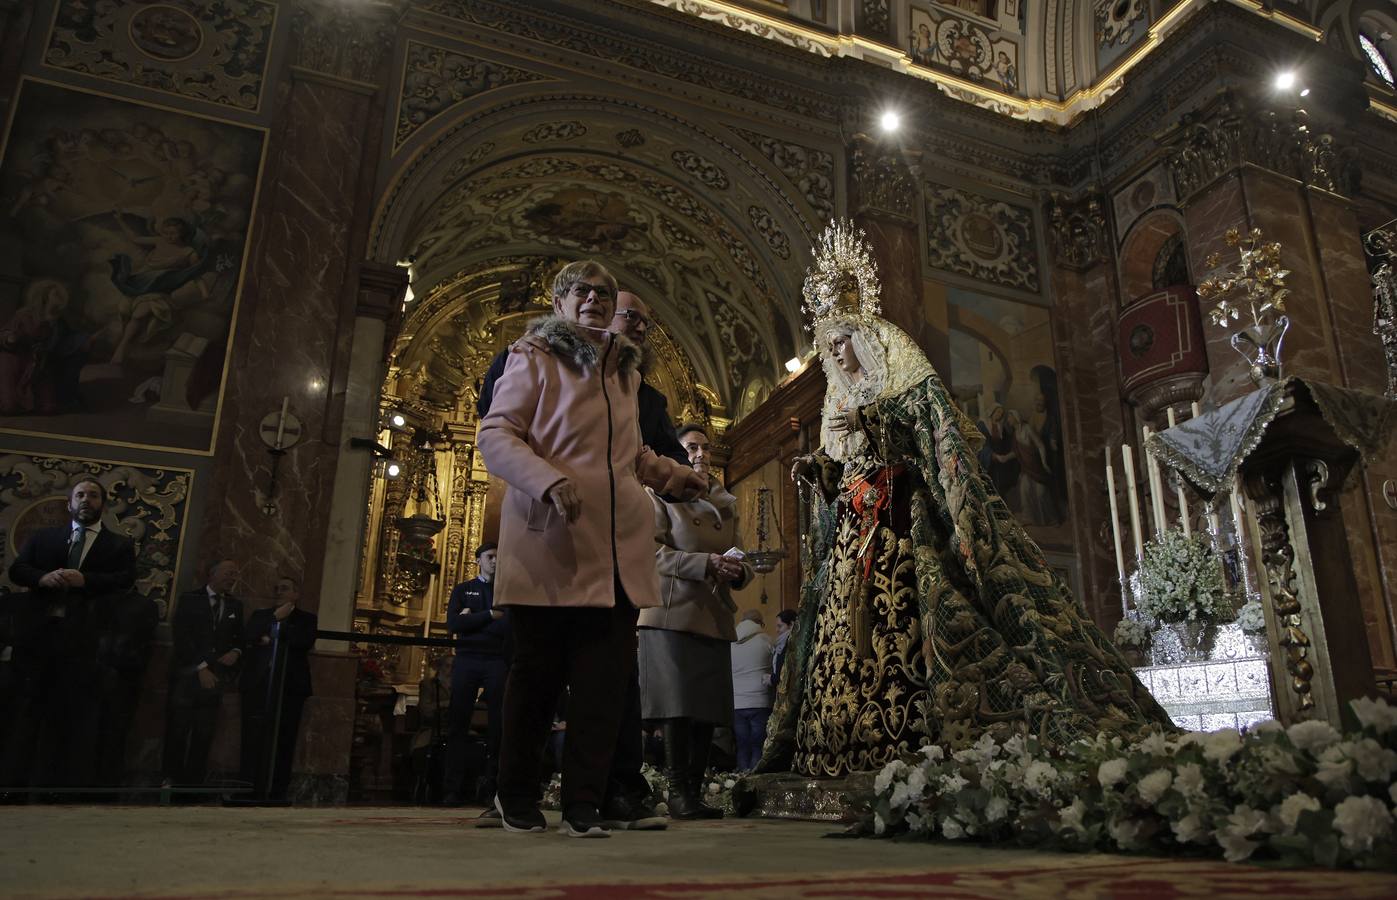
[(751, 688), (429, 743), (276, 671), (482, 662), (685, 663), (207, 633)]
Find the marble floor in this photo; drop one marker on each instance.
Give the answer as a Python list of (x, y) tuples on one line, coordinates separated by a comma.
[(209, 851)]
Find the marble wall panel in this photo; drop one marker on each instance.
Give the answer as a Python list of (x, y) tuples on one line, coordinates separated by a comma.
[(1206, 220), (291, 343)]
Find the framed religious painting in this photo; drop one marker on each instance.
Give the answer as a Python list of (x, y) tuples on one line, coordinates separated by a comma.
[(127, 229)]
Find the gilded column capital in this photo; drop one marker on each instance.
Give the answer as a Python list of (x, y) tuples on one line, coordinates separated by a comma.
[(881, 180), (1231, 134), (345, 39), (1077, 230)]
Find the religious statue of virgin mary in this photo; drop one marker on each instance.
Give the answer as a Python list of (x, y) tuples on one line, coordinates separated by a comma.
[(927, 613)]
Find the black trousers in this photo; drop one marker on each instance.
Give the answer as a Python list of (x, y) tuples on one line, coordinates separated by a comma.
[(470, 673), (56, 701), (191, 716), (592, 652), (626, 779), (255, 746)]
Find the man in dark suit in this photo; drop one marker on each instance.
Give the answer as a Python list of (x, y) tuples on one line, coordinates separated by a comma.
[(207, 631), (277, 666), (482, 661), (75, 575)]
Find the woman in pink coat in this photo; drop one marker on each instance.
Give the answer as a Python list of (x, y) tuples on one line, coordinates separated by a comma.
[(577, 549)]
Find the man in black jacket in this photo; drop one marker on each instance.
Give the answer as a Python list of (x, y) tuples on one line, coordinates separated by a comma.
[(207, 631), (482, 661), (276, 669), (75, 575)]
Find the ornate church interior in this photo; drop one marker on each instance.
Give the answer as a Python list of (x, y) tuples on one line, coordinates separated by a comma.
[(257, 256)]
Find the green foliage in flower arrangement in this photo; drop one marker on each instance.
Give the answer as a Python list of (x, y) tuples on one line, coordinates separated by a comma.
[(1180, 580), (1131, 633)]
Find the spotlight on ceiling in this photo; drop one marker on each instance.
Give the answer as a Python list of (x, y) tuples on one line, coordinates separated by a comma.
[(793, 364), (890, 121), (394, 470), (1285, 81), (1305, 92)]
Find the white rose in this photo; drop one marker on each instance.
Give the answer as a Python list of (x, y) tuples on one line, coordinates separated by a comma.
[(1155, 745), (1188, 781), (1373, 761), (1015, 746), (1219, 746), (1153, 785), (952, 829), (1241, 824), (933, 753), (1335, 768), (952, 783), (1125, 832), (1071, 816), (1190, 830), (1111, 772), (1375, 714), (916, 782), (1288, 810), (1312, 736), (1040, 777), (885, 777), (915, 822), (1360, 821), (996, 809), (879, 826)]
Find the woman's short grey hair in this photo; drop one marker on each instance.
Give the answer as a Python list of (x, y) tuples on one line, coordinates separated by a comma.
[(577, 271)]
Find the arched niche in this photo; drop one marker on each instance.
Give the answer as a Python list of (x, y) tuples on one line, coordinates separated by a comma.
[(1153, 249)]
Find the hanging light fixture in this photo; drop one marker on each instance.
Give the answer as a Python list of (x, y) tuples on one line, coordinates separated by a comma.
[(769, 550)]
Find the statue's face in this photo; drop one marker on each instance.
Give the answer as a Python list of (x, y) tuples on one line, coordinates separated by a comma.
[(841, 349)]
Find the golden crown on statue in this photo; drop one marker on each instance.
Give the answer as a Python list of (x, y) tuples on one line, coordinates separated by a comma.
[(843, 283)]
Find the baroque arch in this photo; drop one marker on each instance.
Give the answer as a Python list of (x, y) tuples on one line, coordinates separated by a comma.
[(694, 218)]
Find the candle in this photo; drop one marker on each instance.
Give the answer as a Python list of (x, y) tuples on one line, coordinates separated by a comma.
[(1195, 409), (1115, 526), (1179, 492), (1156, 486), (1237, 513), (281, 422), (1128, 461)]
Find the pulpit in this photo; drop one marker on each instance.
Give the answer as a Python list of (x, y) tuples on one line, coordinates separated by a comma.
[(1292, 444)]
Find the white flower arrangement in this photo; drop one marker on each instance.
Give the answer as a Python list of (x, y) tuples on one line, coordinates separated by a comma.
[(1251, 618), (1180, 580), (1305, 795), (1131, 633)]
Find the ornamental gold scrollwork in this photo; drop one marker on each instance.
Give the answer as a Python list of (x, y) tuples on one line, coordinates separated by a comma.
[(1278, 559)]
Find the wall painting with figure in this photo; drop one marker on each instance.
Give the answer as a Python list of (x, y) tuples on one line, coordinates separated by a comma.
[(1003, 375), (125, 230)]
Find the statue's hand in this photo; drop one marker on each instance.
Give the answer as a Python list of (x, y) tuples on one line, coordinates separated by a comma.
[(803, 469)]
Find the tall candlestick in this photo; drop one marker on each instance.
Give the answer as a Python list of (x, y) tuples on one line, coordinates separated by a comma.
[(281, 422), (1236, 500), (1156, 486), (1116, 530), (1128, 461), (1179, 492)]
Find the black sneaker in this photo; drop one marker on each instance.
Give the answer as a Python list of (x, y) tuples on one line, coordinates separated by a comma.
[(581, 820), (521, 818), (489, 818), (625, 814)]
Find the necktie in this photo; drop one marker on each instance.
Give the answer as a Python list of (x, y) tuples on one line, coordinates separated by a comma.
[(75, 547)]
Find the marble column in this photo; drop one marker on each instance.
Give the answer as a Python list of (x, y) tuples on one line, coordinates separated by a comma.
[(297, 326), (1084, 352)]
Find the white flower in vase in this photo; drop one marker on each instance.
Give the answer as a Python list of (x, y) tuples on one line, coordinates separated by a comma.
[(1288, 811), (1312, 736)]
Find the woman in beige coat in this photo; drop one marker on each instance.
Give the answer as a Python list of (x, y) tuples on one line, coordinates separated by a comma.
[(685, 667), (576, 548)]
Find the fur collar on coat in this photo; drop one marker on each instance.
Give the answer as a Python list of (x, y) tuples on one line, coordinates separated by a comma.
[(566, 341)]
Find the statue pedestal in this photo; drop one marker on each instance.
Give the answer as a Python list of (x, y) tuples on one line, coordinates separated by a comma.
[(785, 795)]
